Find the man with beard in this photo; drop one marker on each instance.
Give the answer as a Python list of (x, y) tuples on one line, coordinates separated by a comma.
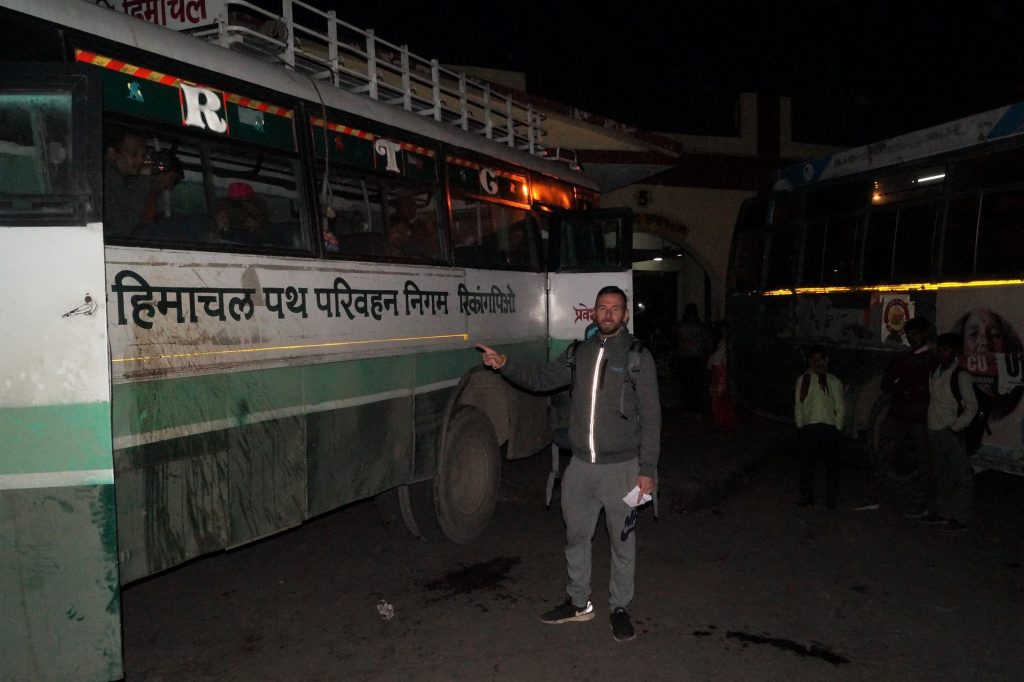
[(614, 430)]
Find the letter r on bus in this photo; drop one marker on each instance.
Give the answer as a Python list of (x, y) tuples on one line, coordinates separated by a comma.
[(201, 107)]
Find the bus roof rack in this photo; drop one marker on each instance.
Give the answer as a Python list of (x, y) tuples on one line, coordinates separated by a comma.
[(331, 51)]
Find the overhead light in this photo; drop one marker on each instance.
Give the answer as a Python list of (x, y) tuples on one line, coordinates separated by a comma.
[(929, 178), (657, 258)]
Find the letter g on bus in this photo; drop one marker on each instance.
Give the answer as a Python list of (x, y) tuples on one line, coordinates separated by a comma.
[(201, 107), (487, 182)]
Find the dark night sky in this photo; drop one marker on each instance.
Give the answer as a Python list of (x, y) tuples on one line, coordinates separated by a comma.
[(858, 71)]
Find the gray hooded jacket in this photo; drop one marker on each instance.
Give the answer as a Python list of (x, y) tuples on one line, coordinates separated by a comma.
[(614, 416)]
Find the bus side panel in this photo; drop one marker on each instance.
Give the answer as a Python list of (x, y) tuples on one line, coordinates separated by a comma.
[(769, 334), (60, 620), (267, 453), (267, 478), (171, 502), (358, 451)]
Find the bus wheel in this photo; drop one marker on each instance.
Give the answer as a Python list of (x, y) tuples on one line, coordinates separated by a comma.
[(885, 441), (459, 502), (393, 511)]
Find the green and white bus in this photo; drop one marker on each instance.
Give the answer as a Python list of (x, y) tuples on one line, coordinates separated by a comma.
[(283, 328), (849, 247)]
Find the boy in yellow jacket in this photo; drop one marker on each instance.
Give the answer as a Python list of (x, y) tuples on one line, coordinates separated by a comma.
[(818, 411)]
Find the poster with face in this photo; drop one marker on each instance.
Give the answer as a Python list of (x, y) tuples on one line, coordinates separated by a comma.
[(989, 320)]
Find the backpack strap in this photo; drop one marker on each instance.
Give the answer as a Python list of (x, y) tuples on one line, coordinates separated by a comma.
[(636, 351), (570, 362), (954, 386)]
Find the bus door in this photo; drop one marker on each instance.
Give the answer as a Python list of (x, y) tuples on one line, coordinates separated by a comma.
[(587, 250), (59, 586)]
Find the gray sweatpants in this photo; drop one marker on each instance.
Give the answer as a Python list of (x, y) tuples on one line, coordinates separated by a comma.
[(586, 490)]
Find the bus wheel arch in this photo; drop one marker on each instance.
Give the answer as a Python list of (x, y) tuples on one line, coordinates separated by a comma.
[(458, 502), (485, 391)]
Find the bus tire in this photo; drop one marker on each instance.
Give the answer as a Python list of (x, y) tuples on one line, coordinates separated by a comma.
[(393, 511), (458, 503), (885, 442)]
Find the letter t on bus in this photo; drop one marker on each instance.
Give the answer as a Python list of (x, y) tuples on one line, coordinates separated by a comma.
[(389, 150), (201, 106)]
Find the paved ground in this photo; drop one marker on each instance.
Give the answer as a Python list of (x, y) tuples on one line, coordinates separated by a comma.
[(745, 587)]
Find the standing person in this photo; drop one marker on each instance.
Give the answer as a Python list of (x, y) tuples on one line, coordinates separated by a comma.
[(692, 344), (906, 381), (723, 412), (819, 412), (948, 415), (614, 430)]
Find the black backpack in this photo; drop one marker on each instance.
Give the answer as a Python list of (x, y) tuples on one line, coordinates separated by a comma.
[(976, 430)]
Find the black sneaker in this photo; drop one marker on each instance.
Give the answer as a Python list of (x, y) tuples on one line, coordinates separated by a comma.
[(622, 629), (568, 612)]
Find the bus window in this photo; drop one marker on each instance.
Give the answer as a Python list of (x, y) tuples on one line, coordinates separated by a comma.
[(840, 246), (783, 251), (960, 237), (35, 131), (371, 218), (908, 186), (912, 261), (879, 237), (988, 170), (844, 198), (412, 223), (255, 198), (1000, 247), (174, 189), (491, 235), (814, 245), (44, 175)]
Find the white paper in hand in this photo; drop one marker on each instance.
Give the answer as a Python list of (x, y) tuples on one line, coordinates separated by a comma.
[(632, 497)]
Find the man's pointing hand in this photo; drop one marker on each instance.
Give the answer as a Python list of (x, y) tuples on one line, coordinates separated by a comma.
[(492, 358)]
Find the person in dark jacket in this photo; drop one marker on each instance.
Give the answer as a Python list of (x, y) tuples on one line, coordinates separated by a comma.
[(906, 381), (614, 430)]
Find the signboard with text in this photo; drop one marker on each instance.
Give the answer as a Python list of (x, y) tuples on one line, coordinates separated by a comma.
[(176, 14)]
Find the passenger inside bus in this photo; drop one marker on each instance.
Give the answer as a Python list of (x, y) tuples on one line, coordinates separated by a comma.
[(409, 234), (241, 216), (132, 187)]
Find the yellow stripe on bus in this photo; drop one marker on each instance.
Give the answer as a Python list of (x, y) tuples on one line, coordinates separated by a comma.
[(330, 344), (920, 286)]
